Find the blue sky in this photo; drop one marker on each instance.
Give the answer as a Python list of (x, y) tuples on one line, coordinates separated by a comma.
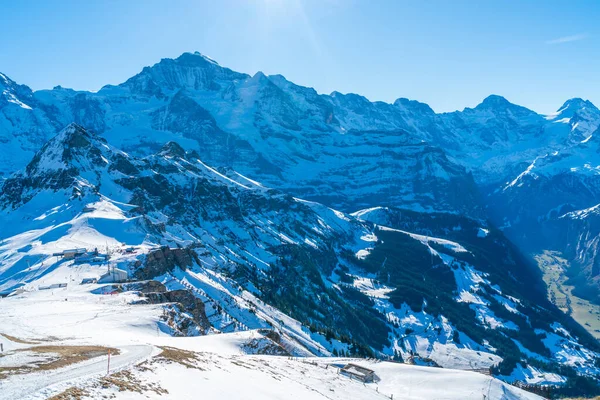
[(449, 54)]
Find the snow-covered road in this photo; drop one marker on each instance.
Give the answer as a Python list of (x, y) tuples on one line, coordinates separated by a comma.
[(36, 385)]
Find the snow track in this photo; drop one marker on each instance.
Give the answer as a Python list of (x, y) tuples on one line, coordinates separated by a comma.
[(39, 385)]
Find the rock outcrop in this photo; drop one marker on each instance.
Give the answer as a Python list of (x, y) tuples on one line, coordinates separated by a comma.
[(185, 313), (163, 260)]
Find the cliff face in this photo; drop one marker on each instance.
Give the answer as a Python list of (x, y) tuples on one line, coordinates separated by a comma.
[(164, 260), (185, 314)]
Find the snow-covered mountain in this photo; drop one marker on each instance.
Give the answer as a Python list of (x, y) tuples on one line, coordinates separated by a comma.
[(191, 154), (24, 126), (319, 147), (325, 148), (329, 283)]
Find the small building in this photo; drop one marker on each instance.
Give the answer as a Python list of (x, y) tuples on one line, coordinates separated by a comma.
[(88, 281), (355, 371), (71, 253), (114, 275), (53, 286), (90, 258)]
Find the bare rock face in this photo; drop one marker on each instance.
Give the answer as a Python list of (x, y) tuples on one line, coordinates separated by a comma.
[(191, 304), (268, 343), (179, 322), (186, 313), (271, 334), (163, 260)]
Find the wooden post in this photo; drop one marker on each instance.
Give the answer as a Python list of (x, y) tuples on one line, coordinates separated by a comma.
[(108, 366)]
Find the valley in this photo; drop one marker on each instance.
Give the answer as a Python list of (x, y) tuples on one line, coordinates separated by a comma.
[(561, 293)]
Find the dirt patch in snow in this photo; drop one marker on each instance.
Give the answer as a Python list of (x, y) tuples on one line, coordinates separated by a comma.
[(17, 340), (56, 357), (186, 358), (72, 393), (71, 354), (105, 387), (126, 381)]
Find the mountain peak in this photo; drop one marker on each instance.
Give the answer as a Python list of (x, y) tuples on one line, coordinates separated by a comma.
[(74, 135), (259, 76), (349, 97), (580, 114), (190, 70), (7, 83), (74, 127), (495, 101), (172, 149), (4, 80), (12, 92), (74, 146), (413, 105), (500, 105), (205, 57), (576, 104), (196, 58)]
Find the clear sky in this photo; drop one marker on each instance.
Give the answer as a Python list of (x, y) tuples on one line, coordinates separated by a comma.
[(450, 54)]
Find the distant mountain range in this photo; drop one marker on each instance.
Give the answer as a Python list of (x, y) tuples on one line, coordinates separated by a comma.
[(250, 172)]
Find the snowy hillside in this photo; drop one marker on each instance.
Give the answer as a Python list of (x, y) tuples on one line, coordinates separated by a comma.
[(152, 364), (209, 251)]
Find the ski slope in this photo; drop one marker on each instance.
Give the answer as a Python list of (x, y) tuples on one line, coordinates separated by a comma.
[(76, 316)]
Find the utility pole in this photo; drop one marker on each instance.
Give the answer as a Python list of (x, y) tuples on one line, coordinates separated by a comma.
[(108, 366)]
